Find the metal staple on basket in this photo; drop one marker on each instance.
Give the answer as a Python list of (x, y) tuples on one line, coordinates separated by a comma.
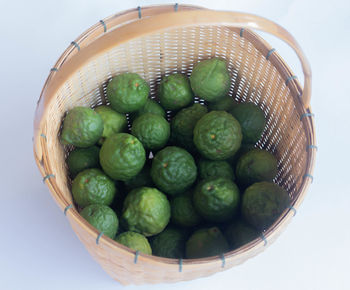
[(99, 237), (47, 177), (104, 25), (67, 208), (270, 52), (262, 236), (136, 256)]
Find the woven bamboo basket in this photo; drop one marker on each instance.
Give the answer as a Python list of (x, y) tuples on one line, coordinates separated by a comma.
[(156, 41)]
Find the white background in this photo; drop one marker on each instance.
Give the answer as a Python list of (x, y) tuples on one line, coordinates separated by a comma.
[(39, 250)]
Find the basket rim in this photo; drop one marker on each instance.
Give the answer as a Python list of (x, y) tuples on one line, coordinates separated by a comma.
[(44, 166)]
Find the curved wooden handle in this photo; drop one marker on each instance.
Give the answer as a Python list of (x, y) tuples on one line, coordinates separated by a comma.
[(164, 21), (263, 24)]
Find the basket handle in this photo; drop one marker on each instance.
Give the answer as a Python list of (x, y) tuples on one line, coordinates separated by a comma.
[(149, 25), (256, 22)]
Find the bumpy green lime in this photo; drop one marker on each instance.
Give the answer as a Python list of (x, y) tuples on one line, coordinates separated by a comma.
[(224, 104), (210, 79), (146, 210), (143, 178), (113, 122), (92, 186), (241, 151), (152, 107), (83, 158), (127, 92), (82, 127), (252, 121), (205, 243), (256, 165), (102, 217), (263, 203), (170, 243), (122, 156), (216, 199), (183, 123), (134, 241), (175, 92), (217, 135), (240, 233), (153, 131), (183, 212), (173, 170), (215, 168)]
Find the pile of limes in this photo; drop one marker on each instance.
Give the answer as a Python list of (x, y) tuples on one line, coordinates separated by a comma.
[(192, 187)]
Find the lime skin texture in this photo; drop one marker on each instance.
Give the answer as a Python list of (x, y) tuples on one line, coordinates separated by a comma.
[(215, 168), (134, 241), (92, 186), (153, 131), (82, 127), (183, 123), (217, 135), (252, 121), (175, 92), (256, 165), (122, 156), (170, 243), (102, 217), (146, 211), (113, 122), (239, 233), (83, 158), (151, 106), (210, 79), (173, 170), (206, 242), (127, 92), (183, 212), (262, 203), (217, 199)]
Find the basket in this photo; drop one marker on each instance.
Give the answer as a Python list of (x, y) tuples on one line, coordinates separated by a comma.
[(156, 41)]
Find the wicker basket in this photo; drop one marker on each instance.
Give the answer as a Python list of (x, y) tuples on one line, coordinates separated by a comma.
[(156, 41)]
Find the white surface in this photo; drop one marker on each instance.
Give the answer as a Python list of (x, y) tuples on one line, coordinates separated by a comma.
[(39, 249)]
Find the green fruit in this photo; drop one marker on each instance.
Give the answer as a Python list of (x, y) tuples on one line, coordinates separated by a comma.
[(183, 212), (256, 165), (241, 151), (239, 233), (215, 168), (263, 203), (170, 243), (175, 92), (216, 199), (183, 123), (205, 243), (102, 217), (127, 92), (173, 170), (252, 121), (151, 106), (92, 186), (146, 210), (83, 158), (226, 103), (134, 241), (153, 131), (122, 156), (143, 178), (210, 79), (113, 122), (217, 135), (82, 127)]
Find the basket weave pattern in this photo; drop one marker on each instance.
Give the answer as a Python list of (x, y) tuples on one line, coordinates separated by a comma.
[(257, 75)]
